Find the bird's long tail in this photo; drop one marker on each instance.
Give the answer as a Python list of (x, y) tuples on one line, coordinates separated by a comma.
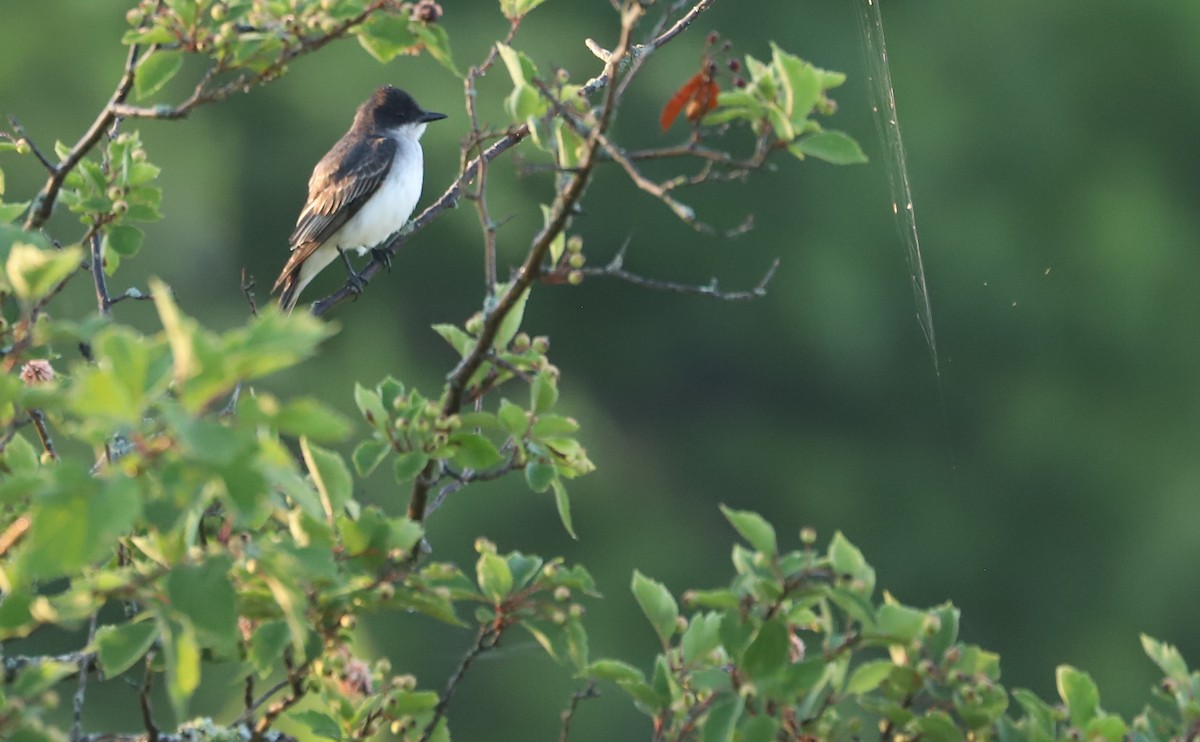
[(291, 291)]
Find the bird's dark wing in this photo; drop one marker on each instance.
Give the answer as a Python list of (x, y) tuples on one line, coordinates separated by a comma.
[(341, 183)]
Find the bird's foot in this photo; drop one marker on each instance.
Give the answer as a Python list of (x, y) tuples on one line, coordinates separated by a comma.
[(383, 256), (354, 281)]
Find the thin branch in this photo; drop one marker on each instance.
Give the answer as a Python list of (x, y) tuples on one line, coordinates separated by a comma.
[(476, 137), (616, 269), (569, 714), (14, 664), (641, 50), (295, 679), (8, 539), (248, 292), (98, 277), (43, 203), (487, 639), (462, 479), (85, 662), (144, 700), (39, 424), (21, 135)]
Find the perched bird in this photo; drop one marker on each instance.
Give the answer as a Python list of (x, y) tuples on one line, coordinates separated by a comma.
[(361, 192)]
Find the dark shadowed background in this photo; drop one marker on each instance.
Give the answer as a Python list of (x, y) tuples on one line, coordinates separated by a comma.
[(1048, 481)]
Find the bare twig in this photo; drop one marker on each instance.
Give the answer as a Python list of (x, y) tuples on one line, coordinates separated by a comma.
[(641, 50), (248, 292), (20, 131), (144, 700), (616, 269), (462, 479), (85, 661), (98, 277), (8, 539), (476, 137), (487, 639), (39, 424), (569, 714), (295, 679)]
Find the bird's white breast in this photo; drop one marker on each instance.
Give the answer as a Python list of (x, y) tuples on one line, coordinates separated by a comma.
[(390, 207)]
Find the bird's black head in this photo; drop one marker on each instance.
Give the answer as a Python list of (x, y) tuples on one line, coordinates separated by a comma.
[(390, 107)]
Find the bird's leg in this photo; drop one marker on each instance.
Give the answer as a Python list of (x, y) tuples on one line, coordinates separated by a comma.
[(353, 280), (383, 256)]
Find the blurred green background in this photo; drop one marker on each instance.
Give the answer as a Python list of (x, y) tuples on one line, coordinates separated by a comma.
[(1047, 481)]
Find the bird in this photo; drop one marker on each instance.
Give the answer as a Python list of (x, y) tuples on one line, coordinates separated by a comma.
[(361, 192)]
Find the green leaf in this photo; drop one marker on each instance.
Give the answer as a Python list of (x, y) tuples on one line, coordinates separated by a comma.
[(937, 726), (312, 419), (368, 455), (658, 605), (437, 43), (539, 475), (494, 576), (768, 653), (1079, 692), (36, 680), (554, 426), (513, 418), (123, 239), (204, 594), (867, 676), (1037, 710), (79, 522), (513, 9), (801, 83), (155, 71), (33, 272), (386, 37), (947, 631), (722, 719), (754, 528), (702, 636), (20, 455), (119, 647), (458, 339), (1167, 657), (847, 560), (511, 324), (563, 503), (473, 451), (183, 665), (267, 645), (9, 212), (898, 622), (330, 475), (1108, 727), (832, 146), (543, 392), (409, 464), (371, 406), (318, 724), (761, 728), (615, 671)]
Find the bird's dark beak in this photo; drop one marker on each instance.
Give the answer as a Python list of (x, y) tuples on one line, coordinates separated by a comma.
[(431, 116)]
